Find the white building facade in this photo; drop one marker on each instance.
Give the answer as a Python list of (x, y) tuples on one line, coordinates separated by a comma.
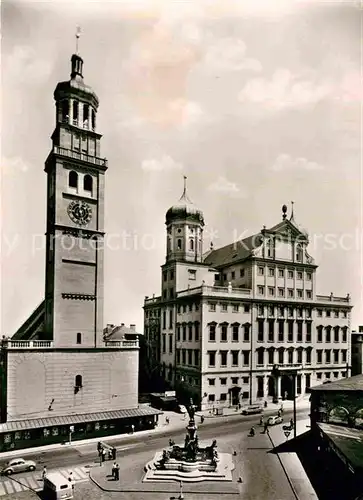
[(228, 317)]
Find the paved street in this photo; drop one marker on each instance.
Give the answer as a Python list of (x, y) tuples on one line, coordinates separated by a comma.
[(260, 470)]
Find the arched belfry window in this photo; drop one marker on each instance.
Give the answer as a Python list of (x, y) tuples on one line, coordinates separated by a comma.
[(88, 183), (78, 381), (191, 244), (79, 338), (75, 112), (93, 120), (86, 116), (65, 111), (73, 179), (179, 244)]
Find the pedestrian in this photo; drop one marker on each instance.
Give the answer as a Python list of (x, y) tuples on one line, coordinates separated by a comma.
[(201, 419), (265, 404), (132, 428), (279, 413), (110, 454), (261, 420), (103, 454), (114, 470), (71, 479), (44, 473), (265, 428), (167, 420), (281, 409), (252, 431), (291, 423), (117, 472)]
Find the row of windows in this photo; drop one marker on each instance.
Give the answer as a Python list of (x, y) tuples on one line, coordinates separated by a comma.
[(281, 331), (261, 289), (73, 181), (328, 333), (291, 311), (190, 307), (170, 323), (329, 358), (299, 275), (281, 357), (234, 332), (328, 313), (223, 357), (183, 330), (319, 375), (185, 357), (82, 115), (224, 307), (223, 381)]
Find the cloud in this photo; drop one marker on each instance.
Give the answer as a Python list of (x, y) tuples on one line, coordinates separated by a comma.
[(23, 65), (14, 165), (285, 162), (165, 164), (224, 186), (283, 91), (229, 54)]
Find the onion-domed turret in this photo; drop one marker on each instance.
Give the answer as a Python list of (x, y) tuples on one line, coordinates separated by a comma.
[(184, 210)]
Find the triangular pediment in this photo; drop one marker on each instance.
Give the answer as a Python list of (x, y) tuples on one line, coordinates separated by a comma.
[(288, 229)]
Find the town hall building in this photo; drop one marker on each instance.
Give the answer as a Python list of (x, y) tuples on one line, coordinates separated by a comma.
[(244, 322), (59, 374)]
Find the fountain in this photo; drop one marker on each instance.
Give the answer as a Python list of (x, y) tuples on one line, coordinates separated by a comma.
[(191, 462)]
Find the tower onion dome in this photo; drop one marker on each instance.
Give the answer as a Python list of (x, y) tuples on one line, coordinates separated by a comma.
[(184, 209), (75, 87)]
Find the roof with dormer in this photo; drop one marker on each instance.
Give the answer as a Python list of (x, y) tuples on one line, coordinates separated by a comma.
[(246, 247)]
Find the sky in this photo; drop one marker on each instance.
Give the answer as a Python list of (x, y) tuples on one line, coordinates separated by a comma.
[(257, 102)]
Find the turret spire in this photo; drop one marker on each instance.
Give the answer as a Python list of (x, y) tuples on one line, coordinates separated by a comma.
[(184, 196), (78, 34)]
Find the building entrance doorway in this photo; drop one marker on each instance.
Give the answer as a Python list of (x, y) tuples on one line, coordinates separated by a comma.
[(234, 395), (260, 392), (287, 387), (271, 386)]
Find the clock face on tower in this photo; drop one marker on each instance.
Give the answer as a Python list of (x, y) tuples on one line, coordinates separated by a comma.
[(79, 212)]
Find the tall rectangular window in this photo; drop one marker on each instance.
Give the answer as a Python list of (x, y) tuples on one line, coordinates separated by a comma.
[(246, 333), (235, 329), (178, 333), (246, 358), (196, 330), (290, 332), (223, 358), (271, 328), (190, 330), (224, 333), (281, 331), (184, 333), (235, 358), (164, 343), (212, 333), (170, 344), (299, 331), (260, 331), (164, 320), (171, 318)]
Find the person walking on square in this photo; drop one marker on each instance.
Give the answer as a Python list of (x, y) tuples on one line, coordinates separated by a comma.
[(114, 470), (117, 472), (265, 428), (44, 473), (261, 420)]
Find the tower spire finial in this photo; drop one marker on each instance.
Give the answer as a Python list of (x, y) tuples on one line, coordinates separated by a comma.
[(185, 185), (292, 210), (78, 34)]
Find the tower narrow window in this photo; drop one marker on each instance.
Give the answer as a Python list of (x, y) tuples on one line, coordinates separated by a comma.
[(79, 338), (76, 142), (88, 183), (93, 120), (78, 381), (73, 179), (75, 112), (65, 111), (85, 116), (179, 244), (191, 244)]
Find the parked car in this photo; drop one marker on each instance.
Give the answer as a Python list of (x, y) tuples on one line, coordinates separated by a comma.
[(182, 409), (274, 420), (252, 410), (18, 465)]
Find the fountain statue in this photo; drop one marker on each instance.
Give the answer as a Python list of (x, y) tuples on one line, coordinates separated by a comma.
[(190, 462)]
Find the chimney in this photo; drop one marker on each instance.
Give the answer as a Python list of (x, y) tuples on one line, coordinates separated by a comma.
[(133, 327)]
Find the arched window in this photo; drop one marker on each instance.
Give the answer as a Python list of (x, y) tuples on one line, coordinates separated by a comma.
[(191, 244), (78, 381), (65, 111), (93, 119), (179, 244), (85, 116), (88, 183), (79, 338), (75, 113), (73, 179), (299, 254)]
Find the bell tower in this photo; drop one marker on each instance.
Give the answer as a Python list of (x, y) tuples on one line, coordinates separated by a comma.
[(75, 217)]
